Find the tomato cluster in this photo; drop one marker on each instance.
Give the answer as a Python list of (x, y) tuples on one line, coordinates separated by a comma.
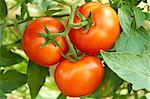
[(82, 77)]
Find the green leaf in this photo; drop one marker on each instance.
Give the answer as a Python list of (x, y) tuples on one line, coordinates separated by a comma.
[(7, 58), (139, 17), (2, 95), (130, 67), (2, 24), (88, 1), (144, 97), (61, 96), (1, 35), (147, 16), (23, 10), (3, 8), (137, 41), (133, 2), (115, 4), (11, 80), (36, 78), (110, 83), (8, 37), (125, 17), (118, 96)]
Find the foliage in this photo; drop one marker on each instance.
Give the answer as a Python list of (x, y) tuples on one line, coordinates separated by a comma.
[(36, 78), (127, 65)]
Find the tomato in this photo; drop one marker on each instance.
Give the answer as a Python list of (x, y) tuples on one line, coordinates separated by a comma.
[(79, 78), (32, 42), (102, 34)]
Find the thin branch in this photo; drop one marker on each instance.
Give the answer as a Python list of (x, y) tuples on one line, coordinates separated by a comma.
[(31, 18), (13, 6), (23, 21)]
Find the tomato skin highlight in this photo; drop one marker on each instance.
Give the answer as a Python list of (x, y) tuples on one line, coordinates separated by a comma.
[(102, 34), (79, 78), (32, 42)]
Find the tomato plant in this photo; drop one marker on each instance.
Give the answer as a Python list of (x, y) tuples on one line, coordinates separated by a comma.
[(102, 34), (79, 78), (32, 42), (103, 51)]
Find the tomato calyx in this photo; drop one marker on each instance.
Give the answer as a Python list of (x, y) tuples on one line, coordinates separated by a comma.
[(86, 23), (50, 37), (70, 56)]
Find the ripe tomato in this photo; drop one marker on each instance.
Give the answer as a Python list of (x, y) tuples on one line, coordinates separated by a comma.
[(79, 78), (102, 34), (32, 42)]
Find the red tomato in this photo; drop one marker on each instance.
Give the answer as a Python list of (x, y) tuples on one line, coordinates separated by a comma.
[(102, 34), (79, 78), (32, 42)]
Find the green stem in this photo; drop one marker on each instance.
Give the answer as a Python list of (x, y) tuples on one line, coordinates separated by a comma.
[(71, 48), (26, 7), (69, 26), (82, 24)]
